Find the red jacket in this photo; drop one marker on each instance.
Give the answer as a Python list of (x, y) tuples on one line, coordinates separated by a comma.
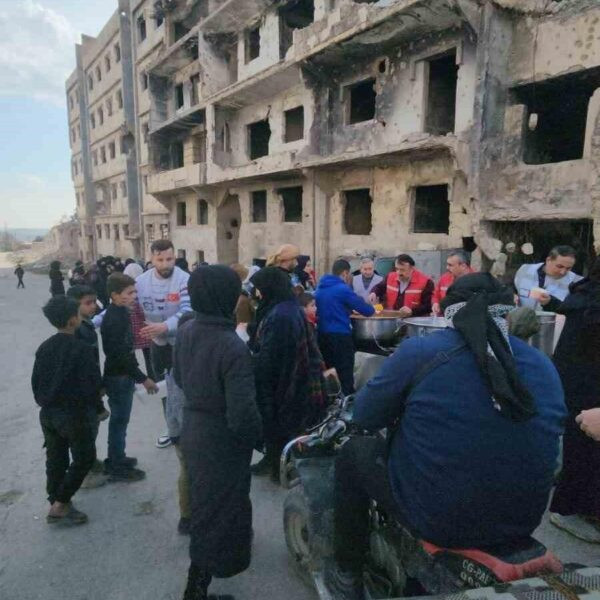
[(417, 296), (441, 288)]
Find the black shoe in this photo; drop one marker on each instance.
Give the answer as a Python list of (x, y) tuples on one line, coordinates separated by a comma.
[(127, 461), (125, 474), (262, 467), (343, 585), (197, 585), (183, 527)]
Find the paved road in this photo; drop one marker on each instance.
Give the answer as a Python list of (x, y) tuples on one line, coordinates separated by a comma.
[(130, 548)]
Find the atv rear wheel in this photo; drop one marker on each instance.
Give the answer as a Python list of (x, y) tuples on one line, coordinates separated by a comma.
[(296, 526)]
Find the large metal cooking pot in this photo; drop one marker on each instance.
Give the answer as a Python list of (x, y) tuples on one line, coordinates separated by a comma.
[(544, 339), (422, 326), (385, 328)]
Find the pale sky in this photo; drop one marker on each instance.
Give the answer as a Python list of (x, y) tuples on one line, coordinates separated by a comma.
[(37, 54)]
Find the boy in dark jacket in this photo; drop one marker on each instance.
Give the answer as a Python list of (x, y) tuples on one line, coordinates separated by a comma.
[(335, 302), (121, 373), (66, 383)]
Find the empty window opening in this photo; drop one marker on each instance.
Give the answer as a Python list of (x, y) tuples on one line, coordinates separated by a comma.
[(145, 131), (179, 30), (383, 66), (225, 138), (556, 117), (99, 231), (199, 147), (119, 98), (202, 212), (177, 160), (107, 63), (141, 28), (126, 230), (362, 99), (95, 157), (107, 231), (90, 83), (100, 116), (357, 212), (98, 73), (294, 15), (109, 106), (144, 81), (181, 253), (252, 44), (292, 204), (200, 256), (179, 96), (441, 94), (93, 120), (181, 214), (259, 134), (150, 233), (124, 189), (103, 154), (112, 150), (113, 191), (432, 209), (158, 20), (117, 232), (259, 206), (294, 124), (117, 53), (145, 184), (194, 86)]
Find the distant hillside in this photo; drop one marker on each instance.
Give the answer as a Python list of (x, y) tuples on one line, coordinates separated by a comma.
[(26, 235)]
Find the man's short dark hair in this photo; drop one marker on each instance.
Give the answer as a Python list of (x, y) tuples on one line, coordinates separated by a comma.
[(60, 310), (562, 251), (161, 245), (339, 266), (404, 259), (78, 292), (117, 282), (305, 299), (463, 257)]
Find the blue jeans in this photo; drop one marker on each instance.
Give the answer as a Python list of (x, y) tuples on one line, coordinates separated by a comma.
[(120, 399)]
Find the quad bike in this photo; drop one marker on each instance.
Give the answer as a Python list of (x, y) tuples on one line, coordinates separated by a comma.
[(397, 564)]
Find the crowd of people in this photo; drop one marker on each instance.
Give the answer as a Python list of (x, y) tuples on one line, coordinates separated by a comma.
[(247, 354)]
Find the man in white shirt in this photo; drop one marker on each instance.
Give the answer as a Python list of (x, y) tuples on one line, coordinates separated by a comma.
[(543, 286), (367, 279), (163, 295)]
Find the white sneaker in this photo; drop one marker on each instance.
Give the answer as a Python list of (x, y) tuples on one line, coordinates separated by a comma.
[(576, 526), (163, 441)]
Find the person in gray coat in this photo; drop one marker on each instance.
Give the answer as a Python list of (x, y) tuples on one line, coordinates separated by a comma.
[(367, 279), (221, 427)]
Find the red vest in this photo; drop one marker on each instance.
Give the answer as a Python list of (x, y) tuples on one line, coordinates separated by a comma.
[(412, 294)]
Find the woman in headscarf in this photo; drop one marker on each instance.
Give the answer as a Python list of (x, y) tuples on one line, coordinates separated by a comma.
[(57, 286), (576, 503), (304, 274), (288, 367), (221, 426)]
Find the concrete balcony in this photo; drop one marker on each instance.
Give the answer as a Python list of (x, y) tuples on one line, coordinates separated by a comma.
[(233, 15), (168, 182)]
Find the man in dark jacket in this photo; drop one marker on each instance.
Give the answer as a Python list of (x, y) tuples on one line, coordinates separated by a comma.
[(335, 302), (19, 272), (221, 426), (469, 466)]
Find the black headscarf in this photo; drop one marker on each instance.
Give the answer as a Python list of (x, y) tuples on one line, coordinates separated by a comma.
[(479, 291), (214, 291), (274, 287), (299, 270)]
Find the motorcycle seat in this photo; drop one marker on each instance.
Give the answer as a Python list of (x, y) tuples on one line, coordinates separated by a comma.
[(507, 561)]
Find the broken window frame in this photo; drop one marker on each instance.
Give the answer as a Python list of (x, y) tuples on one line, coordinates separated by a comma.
[(428, 126), (286, 125), (252, 43), (346, 196), (251, 132), (259, 206), (286, 29), (181, 214), (202, 212), (424, 212), (351, 107)]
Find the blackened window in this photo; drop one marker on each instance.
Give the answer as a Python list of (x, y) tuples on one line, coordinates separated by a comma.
[(292, 204), (252, 43), (357, 212), (181, 214), (202, 212), (259, 134), (259, 206), (432, 209), (179, 96), (441, 94), (294, 124), (362, 97)]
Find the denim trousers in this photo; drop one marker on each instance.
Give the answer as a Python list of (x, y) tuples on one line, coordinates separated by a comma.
[(120, 399)]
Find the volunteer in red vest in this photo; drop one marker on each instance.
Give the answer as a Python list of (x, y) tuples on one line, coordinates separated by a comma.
[(457, 264), (406, 289)]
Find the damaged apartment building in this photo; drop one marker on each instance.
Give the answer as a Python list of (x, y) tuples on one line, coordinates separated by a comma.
[(349, 126)]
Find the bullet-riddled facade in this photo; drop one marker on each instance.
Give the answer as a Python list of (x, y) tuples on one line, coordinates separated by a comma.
[(347, 126)]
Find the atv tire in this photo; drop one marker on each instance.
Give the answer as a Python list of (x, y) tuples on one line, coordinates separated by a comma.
[(296, 526)]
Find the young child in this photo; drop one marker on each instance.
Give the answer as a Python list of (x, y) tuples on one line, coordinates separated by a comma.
[(66, 384), (121, 373), (309, 304)]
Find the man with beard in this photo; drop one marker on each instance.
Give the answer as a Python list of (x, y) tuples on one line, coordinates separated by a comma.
[(163, 296)]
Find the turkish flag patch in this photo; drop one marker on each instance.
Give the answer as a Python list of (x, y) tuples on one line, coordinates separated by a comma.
[(173, 297)]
